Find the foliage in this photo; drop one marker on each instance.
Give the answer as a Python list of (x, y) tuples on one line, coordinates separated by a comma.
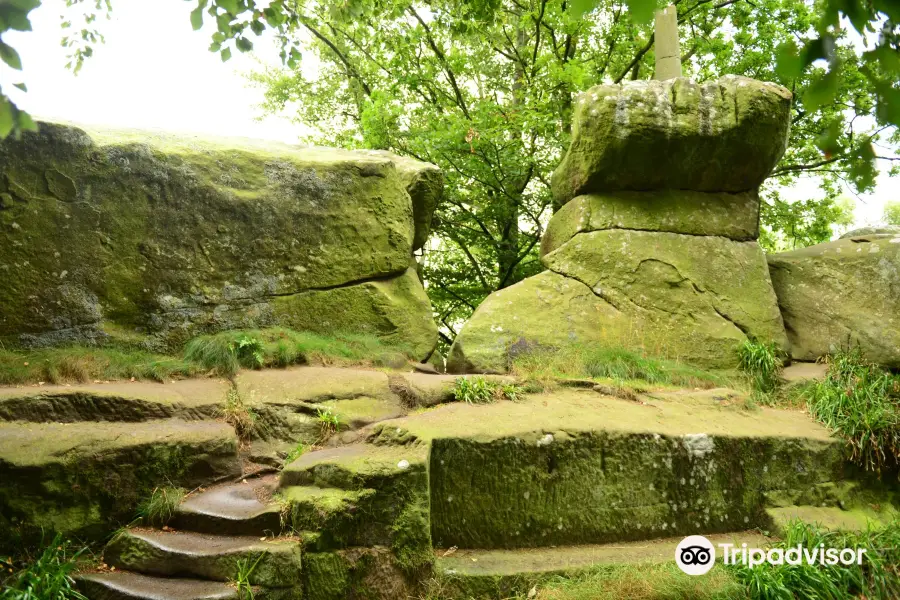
[(238, 415), (47, 577), (478, 390), (160, 507), (329, 423), (892, 213), (762, 363), (228, 351), (76, 364), (861, 402), (877, 577), (791, 225), (243, 572), (618, 364), (295, 453)]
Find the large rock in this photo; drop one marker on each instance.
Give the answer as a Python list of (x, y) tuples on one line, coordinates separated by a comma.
[(839, 294), (692, 298), (734, 216), (154, 238), (720, 136)]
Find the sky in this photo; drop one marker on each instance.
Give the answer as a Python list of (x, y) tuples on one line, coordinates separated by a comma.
[(155, 72)]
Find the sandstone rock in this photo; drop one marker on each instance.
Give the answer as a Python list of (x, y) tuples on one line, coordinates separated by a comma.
[(839, 294), (889, 230), (691, 298), (139, 235), (720, 136), (734, 216)]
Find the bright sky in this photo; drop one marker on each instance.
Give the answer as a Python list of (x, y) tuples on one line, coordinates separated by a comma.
[(155, 72)]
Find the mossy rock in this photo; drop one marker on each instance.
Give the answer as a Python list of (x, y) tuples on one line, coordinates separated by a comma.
[(154, 238), (85, 479), (720, 136), (841, 294), (735, 216), (682, 297)]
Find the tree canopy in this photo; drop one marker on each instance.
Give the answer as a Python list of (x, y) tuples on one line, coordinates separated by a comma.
[(484, 89)]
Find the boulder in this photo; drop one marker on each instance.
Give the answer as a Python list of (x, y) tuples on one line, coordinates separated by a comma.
[(147, 237), (735, 216), (841, 294), (720, 136), (691, 298), (889, 230)]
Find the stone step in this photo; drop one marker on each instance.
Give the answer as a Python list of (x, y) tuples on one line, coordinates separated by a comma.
[(125, 401), (577, 467), (241, 508), (133, 586), (216, 557), (82, 478), (507, 573), (339, 517), (355, 466), (830, 517)]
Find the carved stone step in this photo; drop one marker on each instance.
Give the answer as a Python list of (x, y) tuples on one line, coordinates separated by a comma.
[(242, 508)]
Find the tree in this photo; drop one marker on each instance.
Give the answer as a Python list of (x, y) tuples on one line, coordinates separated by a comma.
[(892, 213)]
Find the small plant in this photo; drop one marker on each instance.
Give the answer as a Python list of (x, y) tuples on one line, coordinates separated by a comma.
[(160, 507), (861, 402), (478, 390), (762, 363), (295, 453), (329, 422), (239, 416), (249, 351), (242, 575), (48, 577)]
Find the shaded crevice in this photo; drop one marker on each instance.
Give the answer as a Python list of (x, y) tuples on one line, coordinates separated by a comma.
[(740, 327)]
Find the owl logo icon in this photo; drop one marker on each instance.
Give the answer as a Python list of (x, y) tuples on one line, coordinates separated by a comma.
[(695, 555)]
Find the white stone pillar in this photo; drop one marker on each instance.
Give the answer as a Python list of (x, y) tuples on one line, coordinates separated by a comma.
[(668, 50)]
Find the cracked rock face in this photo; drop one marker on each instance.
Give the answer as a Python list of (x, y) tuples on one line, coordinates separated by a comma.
[(161, 238), (654, 248), (720, 136), (840, 293)]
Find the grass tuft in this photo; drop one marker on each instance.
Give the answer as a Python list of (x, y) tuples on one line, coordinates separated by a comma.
[(478, 390), (160, 507), (762, 363), (542, 369), (241, 580), (877, 577), (329, 423), (860, 402), (295, 453), (47, 577), (244, 420)]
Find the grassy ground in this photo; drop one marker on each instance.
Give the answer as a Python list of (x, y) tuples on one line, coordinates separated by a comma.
[(220, 354), (622, 366)]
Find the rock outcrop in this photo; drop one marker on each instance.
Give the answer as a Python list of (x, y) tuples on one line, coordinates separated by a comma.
[(654, 246), (155, 239), (842, 294)]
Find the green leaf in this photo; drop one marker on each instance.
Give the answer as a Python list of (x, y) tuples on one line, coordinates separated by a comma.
[(10, 56), (6, 116), (822, 89), (789, 64), (257, 27), (226, 55), (197, 18), (641, 10), (21, 86), (243, 44), (229, 5), (14, 19), (580, 8), (26, 123)]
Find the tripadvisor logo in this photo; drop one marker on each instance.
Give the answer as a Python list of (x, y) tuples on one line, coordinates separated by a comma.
[(696, 555)]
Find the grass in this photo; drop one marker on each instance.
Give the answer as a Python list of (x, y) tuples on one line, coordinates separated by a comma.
[(543, 369), (47, 577), (76, 364), (478, 390), (861, 403), (329, 423), (762, 363), (160, 507), (227, 352), (221, 354), (878, 576), (241, 580), (295, 453), (244, 420)]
